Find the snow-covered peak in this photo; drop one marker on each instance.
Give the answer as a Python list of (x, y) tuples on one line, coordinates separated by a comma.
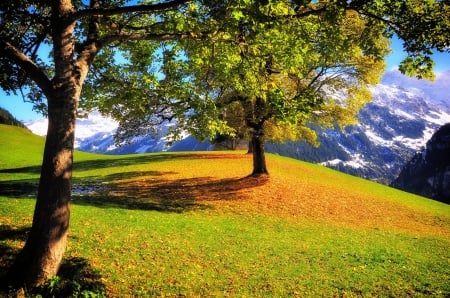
[(38, 126), (437, 91), (94, 125)]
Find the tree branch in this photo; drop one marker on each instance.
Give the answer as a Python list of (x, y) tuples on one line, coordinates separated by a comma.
[(146, 36), (148, 8), (31, 68)]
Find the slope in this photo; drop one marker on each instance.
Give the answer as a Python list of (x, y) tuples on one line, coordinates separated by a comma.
[(19, 147), (193, 224)]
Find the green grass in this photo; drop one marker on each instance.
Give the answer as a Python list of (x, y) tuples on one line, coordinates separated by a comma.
[(19, 147), (190, 224)]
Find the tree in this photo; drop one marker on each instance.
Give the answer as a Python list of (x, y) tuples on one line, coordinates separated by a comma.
[(282, 61), (78, 33), (279, 70), (287, 71)]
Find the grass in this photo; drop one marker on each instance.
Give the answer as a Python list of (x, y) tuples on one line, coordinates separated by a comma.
[(192, 224)]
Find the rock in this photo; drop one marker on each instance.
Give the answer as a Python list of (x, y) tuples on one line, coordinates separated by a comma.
[(428, 172)]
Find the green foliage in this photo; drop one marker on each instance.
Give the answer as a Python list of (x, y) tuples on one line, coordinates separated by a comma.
[(422, 25), (232, 39), (291, 64), (289, 53)]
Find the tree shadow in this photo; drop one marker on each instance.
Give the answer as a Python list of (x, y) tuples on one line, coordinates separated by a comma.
[(128, 160), (76, 277), (29, 170), (146, 158), (144, 190), (103, 163), (164, 195), (19, 188), (8, 253)]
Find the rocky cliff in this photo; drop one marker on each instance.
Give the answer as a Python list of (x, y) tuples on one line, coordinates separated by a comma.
[(428, 172)]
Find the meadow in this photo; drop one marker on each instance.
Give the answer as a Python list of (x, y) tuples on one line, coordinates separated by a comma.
[(193, 224)]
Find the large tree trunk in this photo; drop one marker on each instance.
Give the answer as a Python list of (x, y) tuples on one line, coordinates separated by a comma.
[(42, 254)]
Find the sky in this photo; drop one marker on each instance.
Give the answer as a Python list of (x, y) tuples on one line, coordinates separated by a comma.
[(23, 111)]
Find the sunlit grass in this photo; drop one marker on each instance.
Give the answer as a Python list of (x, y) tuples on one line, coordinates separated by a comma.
[(193, 224)]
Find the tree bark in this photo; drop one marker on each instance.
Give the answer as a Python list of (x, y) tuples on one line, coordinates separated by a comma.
[(42, 254), (259, 156), (255, 117)]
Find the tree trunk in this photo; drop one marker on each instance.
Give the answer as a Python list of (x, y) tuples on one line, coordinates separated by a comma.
[(42, 254), (256, 114), (259, 157)]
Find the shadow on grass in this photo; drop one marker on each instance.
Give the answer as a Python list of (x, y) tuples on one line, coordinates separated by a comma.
[(75, 278), (164, 195), (29, 170), (143, 190), (19, 188), (8, 252), (103, 163), (137, 159)]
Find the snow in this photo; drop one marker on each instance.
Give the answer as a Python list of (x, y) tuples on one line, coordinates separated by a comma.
[(372, 135), (333, 162), (404, 114), (438, 118), (38, 127), (415, 144), (356, 162), (94, 125), (143, 149)]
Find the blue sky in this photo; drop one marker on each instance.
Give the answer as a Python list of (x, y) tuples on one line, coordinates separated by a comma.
[(23, 111)]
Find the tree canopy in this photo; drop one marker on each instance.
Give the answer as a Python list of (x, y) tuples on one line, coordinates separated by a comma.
[(178, 57)]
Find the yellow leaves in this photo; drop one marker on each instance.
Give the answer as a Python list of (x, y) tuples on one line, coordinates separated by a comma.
[(281, 132)]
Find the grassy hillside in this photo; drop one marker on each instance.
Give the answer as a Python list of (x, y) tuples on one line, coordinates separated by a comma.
[(19, 147), (192, 224)]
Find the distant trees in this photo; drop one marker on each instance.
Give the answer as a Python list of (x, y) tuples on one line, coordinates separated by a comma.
[(8, 119), (179, 58)]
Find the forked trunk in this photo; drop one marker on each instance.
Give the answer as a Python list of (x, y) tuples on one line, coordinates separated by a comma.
[(41, 256)]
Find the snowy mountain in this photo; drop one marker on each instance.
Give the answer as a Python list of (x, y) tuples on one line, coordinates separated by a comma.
[(402, 117), (95, 134)]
